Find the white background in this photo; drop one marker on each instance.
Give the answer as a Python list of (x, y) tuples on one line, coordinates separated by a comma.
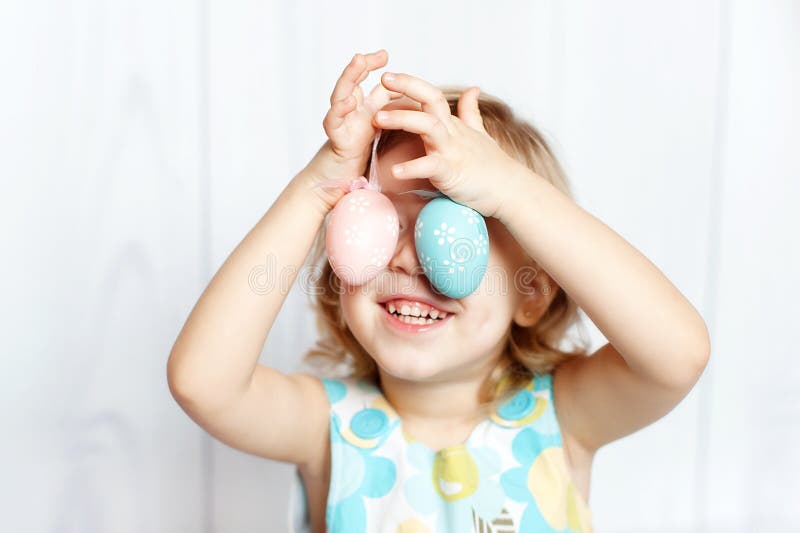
[(140, 141)]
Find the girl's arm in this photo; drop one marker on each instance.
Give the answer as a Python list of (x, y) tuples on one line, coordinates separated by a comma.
[(213, 369), (658, 342)]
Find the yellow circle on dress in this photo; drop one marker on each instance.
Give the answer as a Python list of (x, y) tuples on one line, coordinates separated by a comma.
[(555, 494), (538, 408), (455, 473), (537, 411), (578, 515), (412, 525)]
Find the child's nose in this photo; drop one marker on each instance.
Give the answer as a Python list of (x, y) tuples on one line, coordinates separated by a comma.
[(405, 254)]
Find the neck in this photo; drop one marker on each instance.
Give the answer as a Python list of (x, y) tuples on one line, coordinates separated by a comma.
[(445, 401)]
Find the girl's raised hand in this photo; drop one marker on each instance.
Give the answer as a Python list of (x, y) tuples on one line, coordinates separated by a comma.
[(462, 160), (348, 123)]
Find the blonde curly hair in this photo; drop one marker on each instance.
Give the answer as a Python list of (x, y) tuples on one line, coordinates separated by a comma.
[(528, 351)]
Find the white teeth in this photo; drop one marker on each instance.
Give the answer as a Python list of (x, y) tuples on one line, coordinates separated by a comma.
[(414, 320), (426, 316)]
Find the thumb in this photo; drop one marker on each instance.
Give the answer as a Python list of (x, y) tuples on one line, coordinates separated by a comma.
[(468, 110)]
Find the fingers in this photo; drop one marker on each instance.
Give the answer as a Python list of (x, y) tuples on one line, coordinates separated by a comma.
[(375, 60), (335, 116), (422, 167), (357, 71), (431, 98), (347, 81), (379, 96), (430, 128), (468, 110)]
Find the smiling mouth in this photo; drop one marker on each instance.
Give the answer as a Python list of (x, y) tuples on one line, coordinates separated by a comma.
[(415, 313)]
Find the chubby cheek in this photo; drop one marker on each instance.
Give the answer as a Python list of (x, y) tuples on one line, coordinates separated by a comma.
[(354, 310), (485, 319), (361, 314)]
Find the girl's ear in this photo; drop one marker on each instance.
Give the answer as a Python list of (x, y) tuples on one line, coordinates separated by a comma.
[(536, 290)]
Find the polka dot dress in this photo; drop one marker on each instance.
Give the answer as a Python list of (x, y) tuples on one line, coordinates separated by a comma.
[(509, 476)]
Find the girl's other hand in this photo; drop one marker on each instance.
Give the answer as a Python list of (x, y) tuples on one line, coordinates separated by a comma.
[(462, 160)]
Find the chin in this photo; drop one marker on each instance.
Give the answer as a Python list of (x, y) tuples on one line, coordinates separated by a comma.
[(409, 367)]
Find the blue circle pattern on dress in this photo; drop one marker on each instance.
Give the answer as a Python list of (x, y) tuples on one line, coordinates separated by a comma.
[(334, 389), (547, 424), (369, 423), (519, 406), (366, 476), (526, 447), (370, 476)]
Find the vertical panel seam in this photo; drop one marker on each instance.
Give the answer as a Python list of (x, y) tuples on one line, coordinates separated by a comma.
[(204, 199), (714, 235)]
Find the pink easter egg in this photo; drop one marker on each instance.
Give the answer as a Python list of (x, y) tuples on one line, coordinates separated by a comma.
[(361, 235)]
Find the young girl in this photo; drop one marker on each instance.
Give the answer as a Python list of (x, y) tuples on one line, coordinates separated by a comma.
[(463, 414)]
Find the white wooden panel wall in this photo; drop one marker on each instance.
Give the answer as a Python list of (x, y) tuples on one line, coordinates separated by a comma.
[(636, 134), (752, 458), (140, 141), (103, 253)]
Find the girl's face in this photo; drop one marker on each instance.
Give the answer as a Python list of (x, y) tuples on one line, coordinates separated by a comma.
[(471, 338)]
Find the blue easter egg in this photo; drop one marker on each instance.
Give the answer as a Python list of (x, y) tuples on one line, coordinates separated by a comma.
[(452, 246)]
